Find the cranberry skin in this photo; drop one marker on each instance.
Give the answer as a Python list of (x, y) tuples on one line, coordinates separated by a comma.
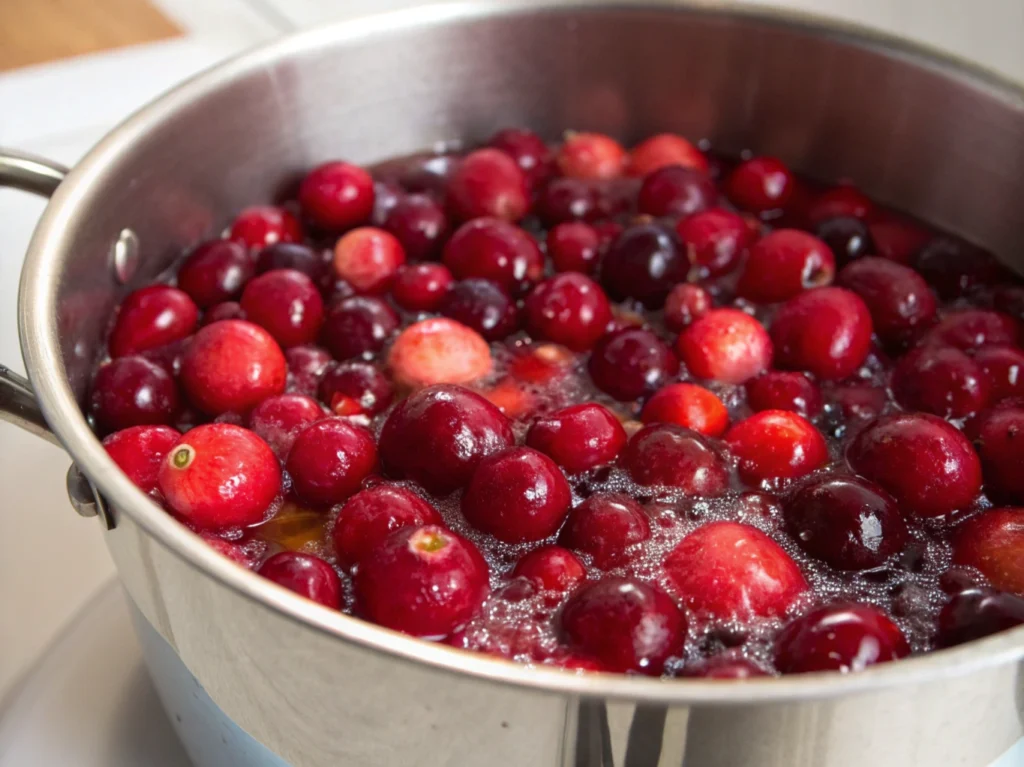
[(1003, 367), (306, 364), (606, 526), (685, 303), (139, 451), (846, 522), (631, 362), (483, 306), (725, 345), (421, 287), (760, 184), (286, 304), (666, 454), (568, 199), (439, 350), (152, 317), (953, 267), (438, 436), (783, 390), (977, 613), (927, 465), (358, 326), (973, 329), (626, 624), (999, 439), (898, 298), (860, 403), (420, 225), (776, 444), (727, 569), (425, 581), (262, 225), (489, 183), (644, 263), (991, 542), (277, 420), (352, 388), (687, 405), (843, 200), (495, 250), (228, 310), (579, 437), (723, 666), (848, 238), (783, 264), (552, 568), (842, 638), (329, 460), (371, 515), (219, 476), (574, 246), (132, 391), (662, 151), (337, 196), (898, 239), (306, 575), (714, 240), (825, 331), (367, 259), (591, 156), (291, 255), (569, 309), (215, 271), (939, 380), (528, 150), (676, 191)]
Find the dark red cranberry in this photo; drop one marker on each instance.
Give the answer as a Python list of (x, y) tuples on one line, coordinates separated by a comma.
[(574, 246), (848, 238), (685, 303), (579, 437), (329, 460), (528, 150), (219, 476), (999, 439), (427, 174), (632, 362), (568, 199), (495, 250), (839, 638), (688, 405), (371, 515), (714, 240), (438, 436), (287, 304), (727, 569), (1009, 299), (337, 196), (216, 271), (825, 331), (306, 364), (724, 666), (139, 452), (358, 326), (666, 454), (291, 255), (898, 298), (644, 263), (1003, 367), (569, 309), (783, 264), (439, 350), (552, 568), (278, 420), (227, 310), (591, 156), (306, 575), (483, 306), (940, 380), (859, 402), (132, 391), (262, 225), (760, 184), (725, 345), (898, 240), (662, 151), (676, 191), (977, 613), (608, 527), (927, 465), (488, 182), (150, 318), (355, 388), (421, 287), (420, 225), (844, 200), (425, 581), (973, 329), (776, 444), (626, 624), (992, 543), (953, 267), (782, 390)]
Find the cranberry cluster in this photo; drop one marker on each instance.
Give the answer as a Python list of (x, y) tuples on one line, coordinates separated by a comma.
[(646, 411)]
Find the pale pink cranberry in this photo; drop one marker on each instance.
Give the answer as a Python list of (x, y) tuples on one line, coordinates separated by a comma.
[(228, 310), (784, 390), (439, 351), (974, 328), (666, 454), (421, 287), (329, 460), (367, 259), (215, 271), (898, 240), (371, 515), (842, 638), (139, 451), (591, 156), (825, 331), (723, 666), (528, 149), (688, 405), (676, 191), (1003, 367), (998, 436), (262, 225), (552, 568), (848, 238), (574, 246), (132, 391), (645, 263), (278, 420), (483, 306), (337, 196), (607, 527), (661, 151), (898, 298), (975, 613), (569, 309), (579, 437), (684, 304), (495, 250), (287, 304), (292, 255), (632, 362), (776, 444), (783, 264), (940, 380), (760, 184), (355, 388), (150, 318), (488, 182), (419, 224), (725, 345), (306, 364), (714, 240), (843, 200), (306, 575), (358, 326), (569, 199)]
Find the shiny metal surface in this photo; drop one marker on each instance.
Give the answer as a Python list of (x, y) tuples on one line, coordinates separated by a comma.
[(29, 173), (944, 141)]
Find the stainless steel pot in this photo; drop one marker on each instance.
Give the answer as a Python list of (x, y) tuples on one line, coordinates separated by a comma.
[(315, 687)]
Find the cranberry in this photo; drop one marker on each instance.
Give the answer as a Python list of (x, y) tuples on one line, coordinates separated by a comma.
[(973, 329), (666, 454), (727, 569), (291, 255), (846, 522), (860, 403), (358, 326), (420, 226), (241, 554), (152, 317), (977, 613), (953, 267), (232, 365), (1003, 367), (132, 391), (488, 182), (262, 225), (483, 306), (439, 350), (848, 238), (574, 246), (227, 310), (371, 515), (992, 543), (999, 438), (579, 437), (843, 200), (825, 331), (644, 263), (1009, 299), (355, 388), (776, 444), (567, 199), (662, 151), (608, 527), (760, 184), (528, 150), (725, 345), (425, 581), (306, 575), (783, 264), (676, 191), (438, 436), (215, 271), (329, 460), (940, 380), (685, 303), (495, 250), (714, 240), (367, 259), (626, 624), (569, 309), (286, 304), (219, 476), (278, 419), (782, 390), (631, 362), (552, 568), (897, 297), (688, 405), (591, 156), (724, 666), (306, 364), (421, 287), (839, 638), (139, 452), (927, 465), (337, 196)]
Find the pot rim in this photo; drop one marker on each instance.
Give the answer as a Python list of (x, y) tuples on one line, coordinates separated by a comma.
[(37, 320)]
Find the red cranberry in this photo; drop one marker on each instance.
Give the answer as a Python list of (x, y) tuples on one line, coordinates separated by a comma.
[(306, 575), (132, 391), (419, 224), (953, 267), (898, 240), (215, 271), (568, 199), (421, 287), (1009, 299), (483, 306), (579, 437), (846, 522), (552, 568), (978, 613), (228, 310), (782, 390), (848, 238), (371, 515), (152, 317), (992, 542), (438, 436), (688, 405), (626, 624), (927, 465), (776, 444), (291, 255), (245, 554), (1003, 367), (644, 263), (973, 329), (608, 527), (329, 460), (666, 454), (724, 666), (826, 331), (725, 345), (337, 196), (262, 225), (528, 150), (278, 419), (355, 388), (232, 365), (685, 303), (306, 364), (630, 363), (783, 264), (999, 438), (726, 569), (897, 297), (439, 350), (358, 326), (286, 304), (760, 184), (495, 250), (676, 191), (569, 309), (425, 581), (219, 476), (591, 156), (940, 380), (574, 246), (662, 151), (843, 200), (714, 240), (367, 259), (860, 403), (139, 452), (488, 182), (839, 638)]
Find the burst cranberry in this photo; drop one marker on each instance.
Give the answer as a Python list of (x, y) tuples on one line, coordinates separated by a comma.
[(574, 246), (684, 304), (687, 405), (439, 350), (528, 150), (552, 568), (220, 476), (898, 240), (132, 391), (782, 390), (630, 363), (776, 444), (419, 224), (495, 250), (488, 182), (152, 317), (579, 437), (940, 380), (897, 297), (666, 454), (663, 150), (568, 199), (607, 526), (1003, 367), (215, 271), (927, 465), (644, 263), (783, 264), (676, 191), (358, 326), (291, 255), (953, 267), (306, 364), (843, 200), (760, 184), (483, 306), (367, 259), (425, 581), (139, 451), (999, 437), (371, 515), (724, 666), (306, 575), (848, 238), (727, 569), (626, 624), (839, 638), (355, 388), (591, 156), (569, 309), (714, 240), (725, 345), (421, 287), (826, 331), (227, 310), (337, 196), (262, 225), (977, 613), (973, 329), (278, 420), (286, 304), (329, 460)]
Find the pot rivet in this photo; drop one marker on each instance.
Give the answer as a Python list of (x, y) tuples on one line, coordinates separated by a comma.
[(125, 255)]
